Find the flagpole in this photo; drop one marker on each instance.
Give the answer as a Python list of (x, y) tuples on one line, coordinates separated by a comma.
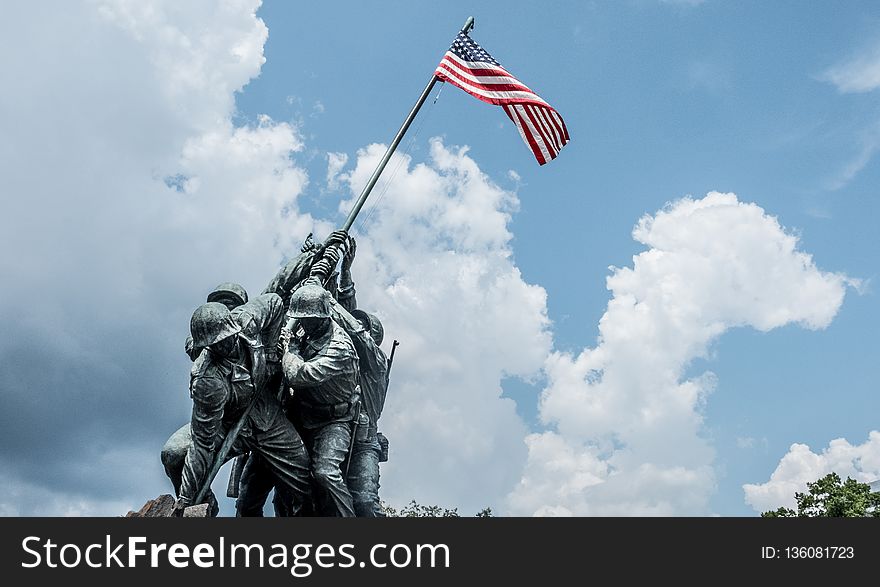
[(468, 25)]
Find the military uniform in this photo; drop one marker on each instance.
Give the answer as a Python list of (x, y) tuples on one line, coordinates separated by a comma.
[(174, 451), (294, 272), (256, 481), (324, 376), (221, 387), (366, 453)]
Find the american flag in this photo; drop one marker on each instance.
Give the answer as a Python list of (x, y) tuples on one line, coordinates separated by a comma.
[(471, 68)]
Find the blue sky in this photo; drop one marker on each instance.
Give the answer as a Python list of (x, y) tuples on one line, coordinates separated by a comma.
[(662, 100), (492, 271)]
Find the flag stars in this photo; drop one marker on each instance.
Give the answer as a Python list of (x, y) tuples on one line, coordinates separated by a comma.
[(465, 47), (538, 123)]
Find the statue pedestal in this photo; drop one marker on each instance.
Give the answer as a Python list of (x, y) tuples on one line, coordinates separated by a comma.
[(163, 507)]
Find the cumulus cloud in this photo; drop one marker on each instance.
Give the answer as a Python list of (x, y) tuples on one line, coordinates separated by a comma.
[(435, 263), (801, 466), (129, 194), (625, 422), (133, 193)]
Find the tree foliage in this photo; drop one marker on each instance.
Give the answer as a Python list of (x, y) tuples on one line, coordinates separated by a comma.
[(415, 510), (829, 497)]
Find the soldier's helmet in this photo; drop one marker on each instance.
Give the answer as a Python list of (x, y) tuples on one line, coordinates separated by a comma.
[(371, 321), (228, 289), (310, 301), (211, 323)]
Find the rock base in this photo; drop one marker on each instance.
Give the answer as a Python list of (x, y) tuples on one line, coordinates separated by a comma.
[(163, 507)]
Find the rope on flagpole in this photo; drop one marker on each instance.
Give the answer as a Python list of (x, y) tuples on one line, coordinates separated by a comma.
[(371, 183), (374, 205)]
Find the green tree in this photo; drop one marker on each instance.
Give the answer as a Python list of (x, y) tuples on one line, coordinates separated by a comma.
[(829, 497), (415, 510)]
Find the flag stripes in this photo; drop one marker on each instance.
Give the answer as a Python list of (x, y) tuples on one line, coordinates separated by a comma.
[(468, 66)]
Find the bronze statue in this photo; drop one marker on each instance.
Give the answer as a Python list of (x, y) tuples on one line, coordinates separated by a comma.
[(238, 371)]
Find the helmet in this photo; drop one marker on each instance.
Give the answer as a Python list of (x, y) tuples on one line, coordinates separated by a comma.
[(212, 322), (310, 301), (371, 321), (229, 289)]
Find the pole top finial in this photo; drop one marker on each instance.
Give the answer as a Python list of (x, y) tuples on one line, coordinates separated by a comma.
[(468, 25)]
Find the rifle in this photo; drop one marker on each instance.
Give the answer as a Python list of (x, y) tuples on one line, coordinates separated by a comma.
[(354, 428), (383, 442), (235, 475), (220, 457), (391, 359)]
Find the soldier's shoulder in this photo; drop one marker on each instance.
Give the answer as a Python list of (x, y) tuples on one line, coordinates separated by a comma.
[(200, 363), (339, 334), (250, 315), (208, 382), (269, 298), (340, 340), (204, 367)]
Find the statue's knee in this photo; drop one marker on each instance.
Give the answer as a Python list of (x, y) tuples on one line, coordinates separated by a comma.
[(363, 510), (174, 452), (169, 458), (327, 474)]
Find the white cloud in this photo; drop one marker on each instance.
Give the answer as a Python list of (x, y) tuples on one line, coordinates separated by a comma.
[(199, 52), (434, 262), (129, 195), (801, 466), (335, 163), (858, 74), (133, 193), (626, 424)]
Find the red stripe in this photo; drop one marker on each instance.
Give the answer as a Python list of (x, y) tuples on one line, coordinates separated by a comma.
[(538, 121), (548, 115), (541, 132), (562, 122), (553, 117), (497, 101), (527, 136), (482, 86), (463, 64), (541, 113)]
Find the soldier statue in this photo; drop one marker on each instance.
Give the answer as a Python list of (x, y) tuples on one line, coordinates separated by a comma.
[(367, 452), (239, 364), (321, 368), (336, 375), (173, 453)]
